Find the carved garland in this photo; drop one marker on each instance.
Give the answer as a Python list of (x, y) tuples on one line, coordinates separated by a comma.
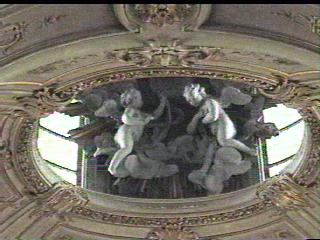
[(183, 221), (307, 174), (24, 160)]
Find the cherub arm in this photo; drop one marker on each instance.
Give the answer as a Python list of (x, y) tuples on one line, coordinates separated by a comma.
[(159, 111), (194, 122), (213, 112)]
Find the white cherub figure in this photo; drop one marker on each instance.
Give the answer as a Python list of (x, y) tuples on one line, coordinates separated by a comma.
[(134, 121), (211, 112)]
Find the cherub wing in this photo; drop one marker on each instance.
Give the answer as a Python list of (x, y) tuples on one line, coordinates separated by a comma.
[(109, 108), (233, 95)]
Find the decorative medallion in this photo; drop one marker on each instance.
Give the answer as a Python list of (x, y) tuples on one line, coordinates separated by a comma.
[(160, 16)]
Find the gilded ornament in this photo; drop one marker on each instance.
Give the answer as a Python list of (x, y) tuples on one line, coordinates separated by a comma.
[(284, 193)]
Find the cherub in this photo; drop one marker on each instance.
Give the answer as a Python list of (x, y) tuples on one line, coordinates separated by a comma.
[(134, 121), (211, 112)]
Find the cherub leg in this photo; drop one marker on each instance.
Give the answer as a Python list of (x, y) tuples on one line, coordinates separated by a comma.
[(125, 139), (224, 142)]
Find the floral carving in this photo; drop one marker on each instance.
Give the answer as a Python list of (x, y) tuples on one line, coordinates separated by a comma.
[(173, 54), (172, 231), (161, 14), (284, 193), (12, 33)]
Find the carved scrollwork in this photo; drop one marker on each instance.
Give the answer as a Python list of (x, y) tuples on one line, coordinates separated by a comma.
[(172, 54), (284, 193), (59, 199), (172, 231), (10, 34), (293, 94), (41, 103)]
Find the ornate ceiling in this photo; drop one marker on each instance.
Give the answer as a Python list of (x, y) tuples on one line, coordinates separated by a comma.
[(49, 53)]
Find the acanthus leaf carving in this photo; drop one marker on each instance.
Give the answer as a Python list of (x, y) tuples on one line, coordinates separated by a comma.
[(171, 54), (172, 231)]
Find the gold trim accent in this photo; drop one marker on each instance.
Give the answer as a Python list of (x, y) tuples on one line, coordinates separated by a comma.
[(20, 83), (303, 73)]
